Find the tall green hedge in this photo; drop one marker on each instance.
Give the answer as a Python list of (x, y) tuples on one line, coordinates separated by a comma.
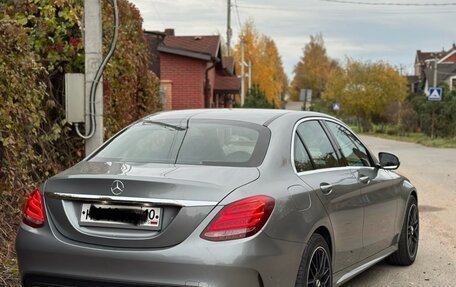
[(40, 41), (21, 135), (130, 89)]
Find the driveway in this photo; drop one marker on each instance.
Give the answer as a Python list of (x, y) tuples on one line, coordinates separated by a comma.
[(433, 172)]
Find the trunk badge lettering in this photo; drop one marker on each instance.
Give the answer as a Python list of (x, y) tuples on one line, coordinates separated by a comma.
[(117, 187)]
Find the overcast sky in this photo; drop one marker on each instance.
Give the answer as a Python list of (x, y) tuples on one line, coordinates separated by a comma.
[(389, 33)]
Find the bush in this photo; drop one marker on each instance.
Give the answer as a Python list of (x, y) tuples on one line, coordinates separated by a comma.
[(131, 90), (444, 114), (21, 133), (256, 98), (402, 116), (41, 44), (322, 106)]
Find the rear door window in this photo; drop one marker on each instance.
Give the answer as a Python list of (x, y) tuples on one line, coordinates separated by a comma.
[(302, 160), (318, 144), (350, 147)]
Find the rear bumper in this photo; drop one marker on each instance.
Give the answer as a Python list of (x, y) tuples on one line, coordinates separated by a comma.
[(33, 280), (52, 260)]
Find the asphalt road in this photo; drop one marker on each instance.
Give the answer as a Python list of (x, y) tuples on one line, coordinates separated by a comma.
[(433, 172)]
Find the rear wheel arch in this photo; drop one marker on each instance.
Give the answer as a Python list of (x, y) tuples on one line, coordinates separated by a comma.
[(415, 195), (324, 232)]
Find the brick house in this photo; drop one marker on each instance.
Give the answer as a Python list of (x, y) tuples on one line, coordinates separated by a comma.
[(446, 68), (193, 71)]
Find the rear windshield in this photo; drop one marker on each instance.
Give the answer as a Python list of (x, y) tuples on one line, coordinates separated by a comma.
[(224, 143)]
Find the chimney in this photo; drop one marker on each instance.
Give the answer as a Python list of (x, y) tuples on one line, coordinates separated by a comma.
[(169, 32)]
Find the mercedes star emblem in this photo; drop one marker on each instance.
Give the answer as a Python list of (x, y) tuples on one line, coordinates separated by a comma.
[(117, 187)]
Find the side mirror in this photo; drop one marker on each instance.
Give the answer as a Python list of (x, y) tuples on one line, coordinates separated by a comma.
[(388, 161)]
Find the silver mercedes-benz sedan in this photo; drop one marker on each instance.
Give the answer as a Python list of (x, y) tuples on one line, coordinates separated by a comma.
[(220, 198)]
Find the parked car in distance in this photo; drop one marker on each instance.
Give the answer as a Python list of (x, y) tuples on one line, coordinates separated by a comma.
[(221, 198)]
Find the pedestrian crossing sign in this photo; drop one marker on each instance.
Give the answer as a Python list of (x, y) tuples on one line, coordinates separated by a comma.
[(435, 94)]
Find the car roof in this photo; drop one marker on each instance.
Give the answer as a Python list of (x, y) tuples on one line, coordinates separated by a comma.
[(257, 116)]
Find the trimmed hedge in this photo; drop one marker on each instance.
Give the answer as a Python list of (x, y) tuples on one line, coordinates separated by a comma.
[(40, 41)]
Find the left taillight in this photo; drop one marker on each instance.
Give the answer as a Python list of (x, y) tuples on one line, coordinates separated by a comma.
[(240, 219), (33, 211)]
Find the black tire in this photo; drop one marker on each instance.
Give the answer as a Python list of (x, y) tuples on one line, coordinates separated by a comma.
[(311, 275), (409, 237)]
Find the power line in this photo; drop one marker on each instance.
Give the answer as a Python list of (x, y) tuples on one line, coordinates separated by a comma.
[(341, 12), (158, 14), (391, 3), (237, 14)]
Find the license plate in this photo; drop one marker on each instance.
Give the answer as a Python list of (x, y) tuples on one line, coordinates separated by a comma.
[(121, 216)]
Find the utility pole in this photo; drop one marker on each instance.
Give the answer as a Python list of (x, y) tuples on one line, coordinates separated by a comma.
[(93, 57), (242, 74), (228, 29), (433, 104), (250, 74), (435, 73)]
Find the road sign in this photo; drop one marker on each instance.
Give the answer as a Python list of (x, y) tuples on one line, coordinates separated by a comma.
[(302, 95), (305, 95), (336, 107), (435, 94)]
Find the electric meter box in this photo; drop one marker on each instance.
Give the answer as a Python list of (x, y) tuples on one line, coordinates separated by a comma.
[(74, 98)]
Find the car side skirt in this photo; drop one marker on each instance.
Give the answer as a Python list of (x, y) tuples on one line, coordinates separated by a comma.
[(343, 276)]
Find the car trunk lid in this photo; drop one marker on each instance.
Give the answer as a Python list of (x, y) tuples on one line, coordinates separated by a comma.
[(185, 195)]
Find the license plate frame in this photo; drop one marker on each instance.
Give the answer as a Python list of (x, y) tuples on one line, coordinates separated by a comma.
[(85, 219)]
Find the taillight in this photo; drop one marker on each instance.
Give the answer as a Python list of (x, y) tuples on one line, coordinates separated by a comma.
[(240, 219), (33, 212)]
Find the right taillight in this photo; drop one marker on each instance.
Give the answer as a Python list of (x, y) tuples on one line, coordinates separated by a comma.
[(33, 211), (240, 219)]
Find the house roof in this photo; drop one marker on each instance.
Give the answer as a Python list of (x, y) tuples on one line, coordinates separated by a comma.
[(448, 57), (227, 84), (421, 57), (208, 45), (228, 64)]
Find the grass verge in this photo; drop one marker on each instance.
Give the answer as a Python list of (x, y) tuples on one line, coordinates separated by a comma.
[(418, 138)]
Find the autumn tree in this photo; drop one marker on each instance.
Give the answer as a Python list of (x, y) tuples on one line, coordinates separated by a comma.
[(267, 66), (365, 89), (312, 71)]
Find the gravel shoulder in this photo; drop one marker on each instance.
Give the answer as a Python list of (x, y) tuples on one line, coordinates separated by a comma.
[(433, 172)]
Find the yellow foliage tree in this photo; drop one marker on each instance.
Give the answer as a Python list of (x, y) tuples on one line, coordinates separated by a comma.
[(267, 67), (313, 69), (364, 89)]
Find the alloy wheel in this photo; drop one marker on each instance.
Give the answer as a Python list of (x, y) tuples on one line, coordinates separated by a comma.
[(319, 272), (413, 230)]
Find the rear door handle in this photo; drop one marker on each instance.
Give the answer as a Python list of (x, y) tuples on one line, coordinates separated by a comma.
[(326, 188), (364, 179)]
